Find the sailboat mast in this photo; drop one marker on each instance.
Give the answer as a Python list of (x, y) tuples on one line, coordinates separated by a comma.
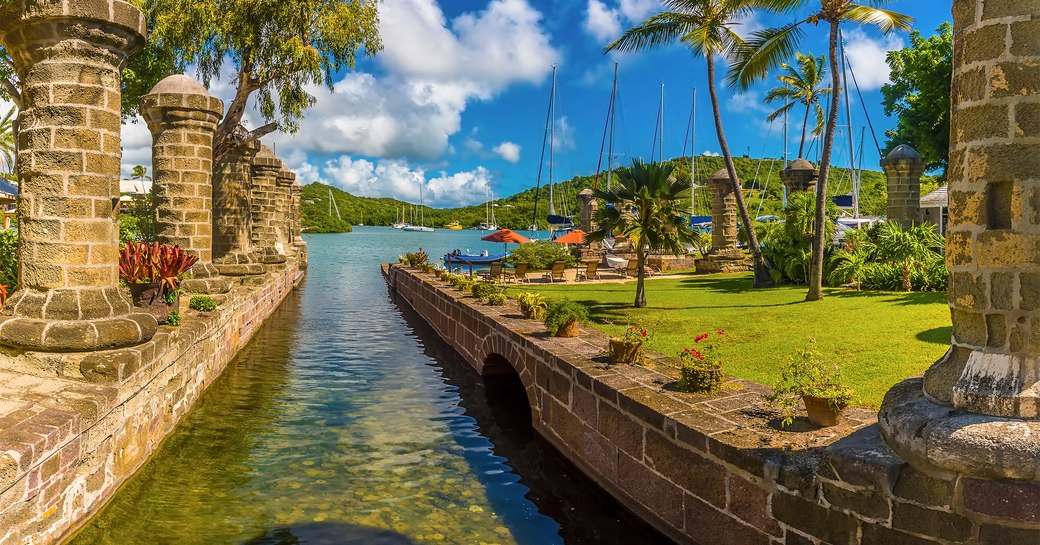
[(422, 208), (852, 143), (693, 155), (610, 146), (660, 152), (552, 139)]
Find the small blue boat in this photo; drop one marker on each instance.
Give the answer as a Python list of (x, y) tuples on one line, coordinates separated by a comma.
[(471, 260)]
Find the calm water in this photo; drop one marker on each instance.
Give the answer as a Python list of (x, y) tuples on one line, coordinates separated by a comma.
[(346, 421)]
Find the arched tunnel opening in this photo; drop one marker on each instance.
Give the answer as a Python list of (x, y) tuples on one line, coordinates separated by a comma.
[(506, 397)]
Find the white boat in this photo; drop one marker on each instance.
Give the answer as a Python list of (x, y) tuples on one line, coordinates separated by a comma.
[(399, 224), (485, 226), (421, 228), (489, 223)]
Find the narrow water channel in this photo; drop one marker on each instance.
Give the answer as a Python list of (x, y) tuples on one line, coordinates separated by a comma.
[(347, 421)]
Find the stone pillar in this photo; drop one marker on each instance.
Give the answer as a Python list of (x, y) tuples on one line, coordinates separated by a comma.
[(68, 56), (799, 176), (977, 411), (903, 169), (296, 218), (182, 117), (283, 209), (266, 166), (588, 210), (723, 217), (232, 238)]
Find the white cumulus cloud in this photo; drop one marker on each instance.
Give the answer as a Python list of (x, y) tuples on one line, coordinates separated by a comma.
[(867, 57), (399, 179), (602, 22), (508, 151)]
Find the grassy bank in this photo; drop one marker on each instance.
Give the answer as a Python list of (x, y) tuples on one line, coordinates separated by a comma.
[(878, 338)]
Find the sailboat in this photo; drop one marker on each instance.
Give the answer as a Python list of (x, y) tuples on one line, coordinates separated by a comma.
[(421, 228), (400, 223), (554, 220), (489, 212)]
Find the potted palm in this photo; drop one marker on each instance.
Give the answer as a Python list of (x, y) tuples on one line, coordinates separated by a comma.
[(152, 272), (532, 305), (701, 365), (563, 318), (818, 385), (628, 347)]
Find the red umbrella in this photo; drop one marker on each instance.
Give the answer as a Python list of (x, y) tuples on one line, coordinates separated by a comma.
[(576, 236), (506, 236)]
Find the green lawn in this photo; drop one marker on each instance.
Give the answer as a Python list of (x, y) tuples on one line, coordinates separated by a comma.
[(879, 338)]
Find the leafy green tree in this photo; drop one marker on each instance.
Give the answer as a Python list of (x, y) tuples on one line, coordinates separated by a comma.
[(8, 142), (649, 208), (139, 172), (802, 85), (919, 96), (769, 48), (706, 27), (278, 50)]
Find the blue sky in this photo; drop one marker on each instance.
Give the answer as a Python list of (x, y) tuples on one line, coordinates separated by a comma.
[(457, 100)]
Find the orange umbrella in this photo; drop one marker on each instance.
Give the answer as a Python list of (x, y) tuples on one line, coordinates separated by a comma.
[(506, 236), (576, 236)]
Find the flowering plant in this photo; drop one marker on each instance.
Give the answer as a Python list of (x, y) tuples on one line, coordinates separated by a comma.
[(636, 333), (142, 263), (701, 365)]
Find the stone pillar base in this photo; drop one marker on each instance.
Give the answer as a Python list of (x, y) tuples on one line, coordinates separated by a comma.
[(724, 260), (935, 437), (238, 265), (270, 256), (300, 249), (206, 279)]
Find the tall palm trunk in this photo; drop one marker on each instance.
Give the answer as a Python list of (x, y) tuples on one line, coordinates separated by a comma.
[(805, 125), (762, 278), (640, 274), (820, 232)]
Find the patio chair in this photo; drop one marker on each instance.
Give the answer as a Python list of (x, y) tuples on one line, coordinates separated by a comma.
[(591, 271), (556, 273), (495, 274), (520, 273), (630, 269)]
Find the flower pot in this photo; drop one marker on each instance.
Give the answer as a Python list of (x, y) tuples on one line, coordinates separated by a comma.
[(821, 412), (701, 379), (569, 329), (149, 298), (622, 351)]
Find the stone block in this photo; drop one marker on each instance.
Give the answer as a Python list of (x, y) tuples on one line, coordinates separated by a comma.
[(930, 522), (914, 486), (831, 526), (875, 534), (1002, 535), (749, 502), (657, 494), (705, 524), (693, 472), (1008, 500)]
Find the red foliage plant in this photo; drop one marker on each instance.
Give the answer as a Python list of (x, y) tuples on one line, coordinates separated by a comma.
[(146, 263)]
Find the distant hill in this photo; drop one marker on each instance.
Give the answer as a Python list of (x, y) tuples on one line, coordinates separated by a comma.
[(515, 212)]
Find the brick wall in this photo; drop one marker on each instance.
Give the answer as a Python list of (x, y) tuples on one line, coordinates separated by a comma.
[(74, 427), (714, 470)]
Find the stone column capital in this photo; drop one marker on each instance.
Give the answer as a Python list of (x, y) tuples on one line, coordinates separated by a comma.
[(179, 99), (111, 29), (799, 176), (286, 177)]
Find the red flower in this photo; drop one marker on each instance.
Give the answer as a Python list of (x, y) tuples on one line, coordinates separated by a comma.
[(700, 337), (721, 332)]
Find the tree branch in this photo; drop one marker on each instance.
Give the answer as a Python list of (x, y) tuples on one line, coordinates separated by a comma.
[(12, 90)]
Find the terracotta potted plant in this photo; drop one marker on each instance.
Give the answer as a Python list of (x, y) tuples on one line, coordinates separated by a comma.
[(152, 272), (628, 347), (701, 365), (806, 378), (564, 318)]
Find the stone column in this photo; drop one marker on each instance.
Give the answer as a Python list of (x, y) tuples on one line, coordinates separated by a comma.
[(903, 169), (283, 209), (977, 412), (68, 56), (799, 176), (296, 218), (588, 210), (182, 117), (723, 217), (266, 166), (232, 239)]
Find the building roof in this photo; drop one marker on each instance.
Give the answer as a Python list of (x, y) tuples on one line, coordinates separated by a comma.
[(135, 187), (936, 199)]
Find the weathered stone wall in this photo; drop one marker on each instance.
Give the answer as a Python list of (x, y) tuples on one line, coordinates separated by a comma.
[(903, 170), (73, 428), (713, 470)]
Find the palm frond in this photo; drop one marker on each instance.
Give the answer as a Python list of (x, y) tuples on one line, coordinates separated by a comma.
[(660, 29), (884, 19), (766, 50)]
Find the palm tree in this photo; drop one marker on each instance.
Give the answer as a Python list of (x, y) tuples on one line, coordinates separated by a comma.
[(909, 248), (770, 47), (802, 85), (7, 142), (649, 208), (706, 27)]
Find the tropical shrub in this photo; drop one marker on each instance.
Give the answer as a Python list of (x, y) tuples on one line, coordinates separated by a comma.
[(496, 299), (806, 374), (482, 290), (174, 318), (700, 369), (532, 305), (786, 245), (561, 313), (465, 284), (9, 258), (889, 257), (540, 254), (202, 303), (141, 263)]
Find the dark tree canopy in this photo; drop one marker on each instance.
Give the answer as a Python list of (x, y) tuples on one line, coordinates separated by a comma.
[(919, 96)]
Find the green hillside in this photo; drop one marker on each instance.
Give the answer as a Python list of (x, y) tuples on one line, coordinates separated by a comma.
[(515, 212)]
